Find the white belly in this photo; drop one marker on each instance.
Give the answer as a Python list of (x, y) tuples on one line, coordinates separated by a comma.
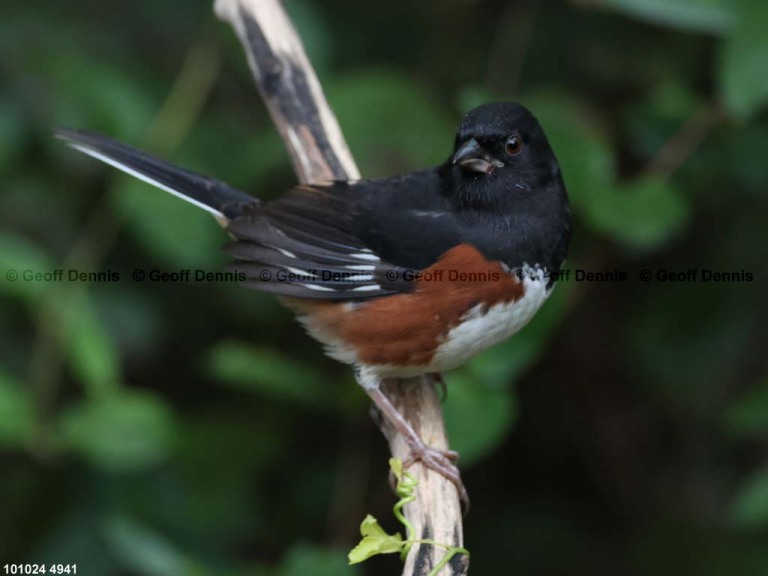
[(478, 330)]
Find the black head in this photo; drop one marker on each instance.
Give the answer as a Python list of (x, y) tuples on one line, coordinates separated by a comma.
[(504, 178), (501, 155)]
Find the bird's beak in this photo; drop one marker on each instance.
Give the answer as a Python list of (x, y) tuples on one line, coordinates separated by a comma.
[(472, 157)]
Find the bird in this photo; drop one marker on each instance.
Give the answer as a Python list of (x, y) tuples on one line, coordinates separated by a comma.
[(403, 276)]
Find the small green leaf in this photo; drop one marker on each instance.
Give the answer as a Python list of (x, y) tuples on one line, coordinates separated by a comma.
[(267, 372), (650, 122), (178, 234), (370, 528), (92, 354), (642, 214), (19, 256), (141, 550), (103, 96), (122, 432), (693, 15), (583, 151), (16, 413), (406, 141), (396, 465), (750, 508), (743, 78), (375, 541), (477, 418)]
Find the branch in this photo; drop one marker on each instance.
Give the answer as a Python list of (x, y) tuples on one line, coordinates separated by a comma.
[(295, 100), (683, 144)]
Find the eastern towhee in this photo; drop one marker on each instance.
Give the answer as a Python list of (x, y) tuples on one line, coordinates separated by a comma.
[(409, 275)]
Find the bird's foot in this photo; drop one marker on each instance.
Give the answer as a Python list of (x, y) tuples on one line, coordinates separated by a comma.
[(441, 461)]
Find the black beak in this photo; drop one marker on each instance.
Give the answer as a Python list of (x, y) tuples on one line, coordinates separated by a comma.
[(472, 157)]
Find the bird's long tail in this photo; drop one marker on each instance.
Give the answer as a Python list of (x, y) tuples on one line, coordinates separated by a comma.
[(216, 197)]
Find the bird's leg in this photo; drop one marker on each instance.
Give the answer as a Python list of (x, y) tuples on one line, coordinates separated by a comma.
[(441, 461)]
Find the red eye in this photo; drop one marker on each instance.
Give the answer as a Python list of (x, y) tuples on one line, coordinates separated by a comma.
[(514, 145)]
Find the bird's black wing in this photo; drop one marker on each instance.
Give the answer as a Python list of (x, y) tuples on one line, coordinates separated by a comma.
[(304, 245), (337, 241)]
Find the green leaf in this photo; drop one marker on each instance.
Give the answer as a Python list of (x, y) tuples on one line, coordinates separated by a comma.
[(743, 58), (175, 232), (124, 432), (693, 15), (24, 258), (16, 412), (103, 98), (653, 120), (375, 541), (583, 151), (643, 214), (92, 354), (674, 99), (388, 138), (748, 415), (477, 418), (749, 510), (268, 372), (141, 550), (396, 465)]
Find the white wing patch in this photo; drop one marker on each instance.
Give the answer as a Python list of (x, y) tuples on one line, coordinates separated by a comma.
[(365, 255)]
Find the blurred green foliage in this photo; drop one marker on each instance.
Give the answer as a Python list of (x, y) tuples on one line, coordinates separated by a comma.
[(156, 429)]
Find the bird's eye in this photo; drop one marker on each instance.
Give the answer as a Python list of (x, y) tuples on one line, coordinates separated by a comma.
[(514, 145)]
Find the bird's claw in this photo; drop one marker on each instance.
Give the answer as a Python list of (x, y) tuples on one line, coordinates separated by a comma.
[(441, 461)]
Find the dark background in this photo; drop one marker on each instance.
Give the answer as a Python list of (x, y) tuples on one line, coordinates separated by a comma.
[(159, 428)]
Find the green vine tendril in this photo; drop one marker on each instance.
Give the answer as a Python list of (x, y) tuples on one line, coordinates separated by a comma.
[(377, 541)]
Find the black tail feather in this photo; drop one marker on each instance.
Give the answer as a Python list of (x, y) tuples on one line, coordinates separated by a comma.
[(207, 193)]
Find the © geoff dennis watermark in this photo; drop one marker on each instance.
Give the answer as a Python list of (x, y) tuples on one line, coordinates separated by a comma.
[(183, 276), (192, 276)]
